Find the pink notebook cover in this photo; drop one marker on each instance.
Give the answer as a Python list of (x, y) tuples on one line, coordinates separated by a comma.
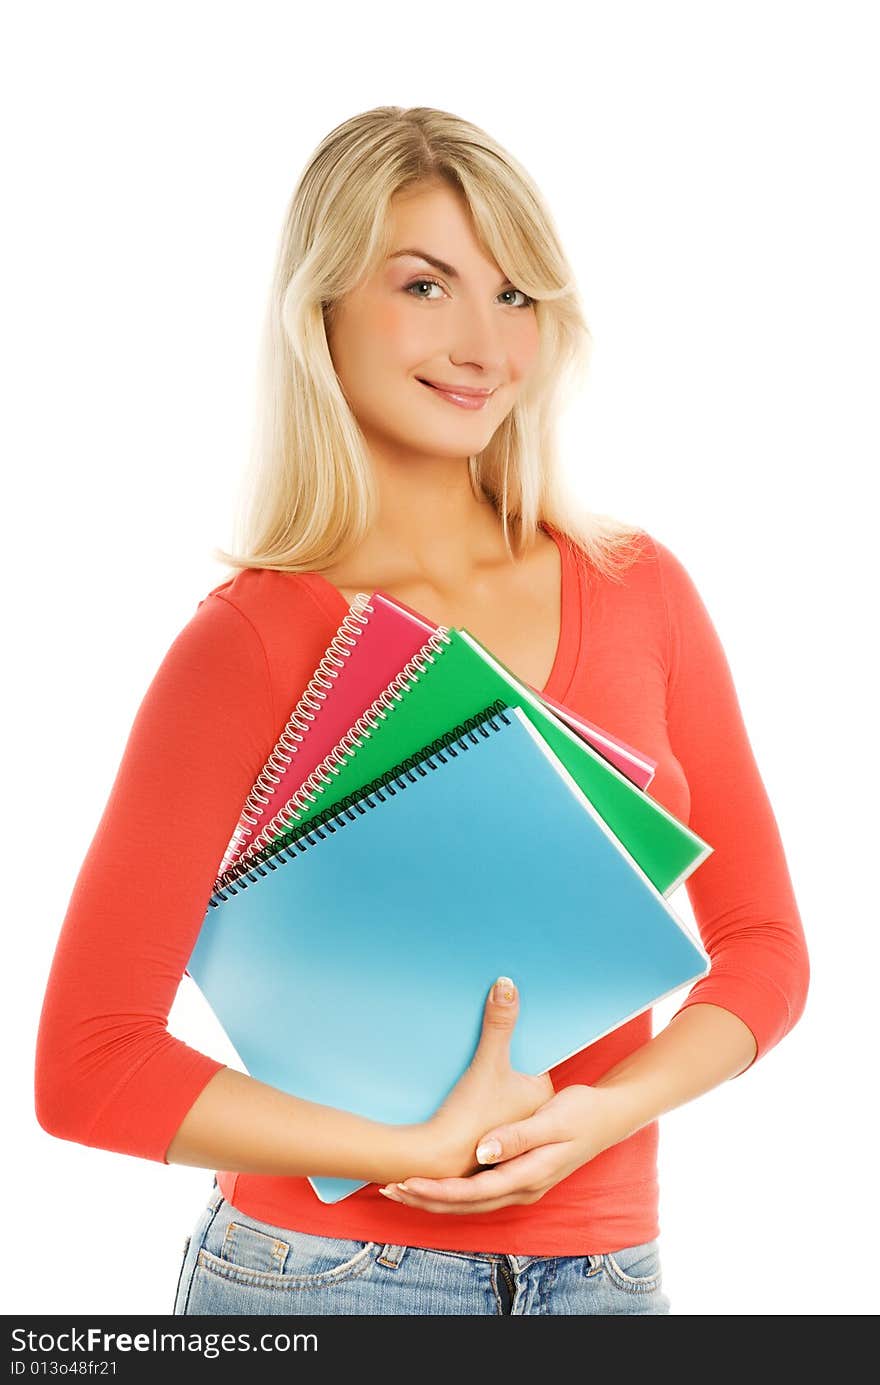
[(375, 641), (638, 768)]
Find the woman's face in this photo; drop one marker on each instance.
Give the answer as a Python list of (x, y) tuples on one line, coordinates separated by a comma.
[(464, 325)]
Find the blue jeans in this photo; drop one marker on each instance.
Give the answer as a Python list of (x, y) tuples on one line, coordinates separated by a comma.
[(234, 1264)]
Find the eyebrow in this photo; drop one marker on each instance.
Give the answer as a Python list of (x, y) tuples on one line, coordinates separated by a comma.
[(444, 268)]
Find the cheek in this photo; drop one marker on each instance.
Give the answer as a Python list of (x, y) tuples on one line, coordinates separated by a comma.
[(524, 349), (398, 329), (376, 345)]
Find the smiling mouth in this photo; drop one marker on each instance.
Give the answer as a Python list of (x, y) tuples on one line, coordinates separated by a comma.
[(460, 390)]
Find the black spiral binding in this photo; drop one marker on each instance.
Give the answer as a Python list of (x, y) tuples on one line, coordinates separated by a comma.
[(339, 814)]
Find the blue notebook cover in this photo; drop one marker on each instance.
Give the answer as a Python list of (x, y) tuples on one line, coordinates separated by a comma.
[(352, 968)]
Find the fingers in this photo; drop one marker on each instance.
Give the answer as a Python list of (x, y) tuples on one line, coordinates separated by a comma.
[(486, 1191), (509, 1141)]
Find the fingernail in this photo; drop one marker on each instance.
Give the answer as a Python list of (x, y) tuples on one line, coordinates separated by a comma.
[(386, 1193), (505, 991), (488, 1151)]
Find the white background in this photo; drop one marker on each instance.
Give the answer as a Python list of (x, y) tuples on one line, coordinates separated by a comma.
[(709, 169)]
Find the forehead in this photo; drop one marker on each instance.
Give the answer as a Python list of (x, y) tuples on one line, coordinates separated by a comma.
[(436, 219)]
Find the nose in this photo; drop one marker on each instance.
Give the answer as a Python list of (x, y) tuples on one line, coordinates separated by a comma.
[(477, 338)]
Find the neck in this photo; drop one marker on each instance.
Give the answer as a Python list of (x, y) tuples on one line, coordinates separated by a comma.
[(430, 525)]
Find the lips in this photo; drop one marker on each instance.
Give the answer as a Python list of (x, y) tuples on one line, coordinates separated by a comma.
[(456, 396), (461, 390)]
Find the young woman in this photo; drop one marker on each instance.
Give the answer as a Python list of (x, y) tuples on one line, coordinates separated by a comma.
[(422, 325)]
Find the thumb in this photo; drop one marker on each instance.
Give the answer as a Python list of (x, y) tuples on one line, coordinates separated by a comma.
[(499, 1018)]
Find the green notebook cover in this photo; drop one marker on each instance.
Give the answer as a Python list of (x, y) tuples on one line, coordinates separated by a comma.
[(459, 680)]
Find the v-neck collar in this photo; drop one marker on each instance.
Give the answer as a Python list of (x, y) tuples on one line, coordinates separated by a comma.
[(568, 645)]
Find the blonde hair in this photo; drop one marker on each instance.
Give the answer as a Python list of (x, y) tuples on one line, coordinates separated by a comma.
[(309, 494)]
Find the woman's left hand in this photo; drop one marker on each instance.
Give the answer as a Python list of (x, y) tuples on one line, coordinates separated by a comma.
[(575, 1125)]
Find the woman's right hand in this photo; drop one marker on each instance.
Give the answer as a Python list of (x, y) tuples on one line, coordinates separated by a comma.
[(490, 1092)]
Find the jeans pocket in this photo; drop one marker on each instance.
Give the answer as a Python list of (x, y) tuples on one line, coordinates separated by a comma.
[(635, 1268), (246, 1251)]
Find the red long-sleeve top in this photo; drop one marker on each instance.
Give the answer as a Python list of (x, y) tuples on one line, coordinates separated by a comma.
[(640, 658)]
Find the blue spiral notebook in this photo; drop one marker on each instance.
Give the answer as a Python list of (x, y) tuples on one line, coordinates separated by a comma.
[(352, 968)]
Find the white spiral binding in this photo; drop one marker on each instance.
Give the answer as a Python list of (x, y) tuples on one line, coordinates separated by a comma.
[(298, 724), (329, 768)]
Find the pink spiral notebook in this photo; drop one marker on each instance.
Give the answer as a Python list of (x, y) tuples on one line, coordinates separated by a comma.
[(377, 640)]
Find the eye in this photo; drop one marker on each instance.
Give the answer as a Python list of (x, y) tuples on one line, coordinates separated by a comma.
[(417, 283), (528, 301)]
